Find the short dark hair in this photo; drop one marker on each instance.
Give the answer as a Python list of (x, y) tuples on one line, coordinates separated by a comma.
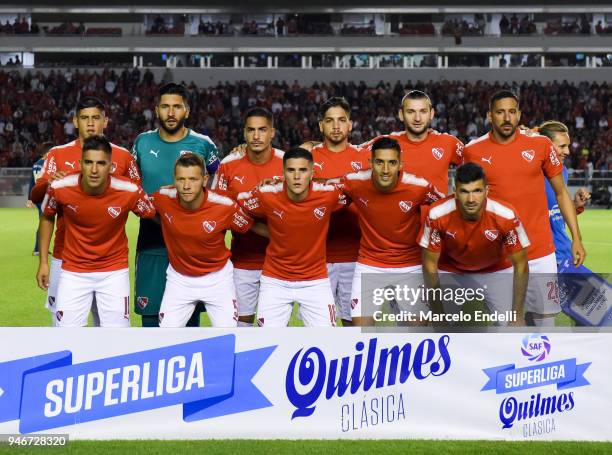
[(173, 89), (297, 152), (468, 173), (87, 102), (44, 148), (190, 159), (334, 101), (386, 143), (97, 143), (416, 95), (500, 95), (259, 112)]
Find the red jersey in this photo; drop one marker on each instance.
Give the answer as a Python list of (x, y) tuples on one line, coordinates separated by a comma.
[(515, 173), (429, 158), (389, 221), (343, 236), (65, 158), (238, 174), (297, 229), (95, 239), (473, 246), (196, 238)]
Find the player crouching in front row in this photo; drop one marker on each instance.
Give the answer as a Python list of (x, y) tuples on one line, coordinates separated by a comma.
[(194, 221), (95, 208)]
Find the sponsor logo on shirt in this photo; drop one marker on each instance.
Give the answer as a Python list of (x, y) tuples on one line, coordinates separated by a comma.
[(209, 226), (405, 206), (459, 149), (554, 159), (491, 234), (52, 166), (319, 212), (114, 211), (528, 155), (437, 153), (240, 220), (435, 237), (252, 203), (511, 238)]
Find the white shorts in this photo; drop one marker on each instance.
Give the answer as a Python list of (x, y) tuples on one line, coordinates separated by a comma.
[(341, 279), (543, 290), (414, 279), (75, 293), (276, 298), (247, 290), (215, 290), (55, 270)]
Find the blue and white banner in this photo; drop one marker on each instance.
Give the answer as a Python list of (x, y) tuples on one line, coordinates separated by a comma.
[(304, 383)]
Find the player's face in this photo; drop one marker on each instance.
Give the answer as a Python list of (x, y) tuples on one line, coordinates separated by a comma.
[(90, 121), (95, 169), (562, 144), (505, 117), (172, 113), (298, 174), (416, 115), (471, 197), (258, 134), (189, 183), (386, 166), (336, 125)]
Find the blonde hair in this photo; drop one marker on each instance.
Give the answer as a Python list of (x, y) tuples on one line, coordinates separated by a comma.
[(552, 127)]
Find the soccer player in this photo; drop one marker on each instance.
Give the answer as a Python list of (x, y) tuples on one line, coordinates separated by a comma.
[(243, 172), (194, 221), (35, 175), (95, 256), (334, 158), (516, 164), (155, 152), (388, 203), (297, 212), (90, 120), (470, 233), (425, 152)]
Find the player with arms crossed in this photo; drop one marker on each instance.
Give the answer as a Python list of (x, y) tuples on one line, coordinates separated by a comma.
[(95, 257), (240, 172), (472, 234), (156, 152), (90, 120), (194, 221), (516, 164), (297, 212), (388, 202)]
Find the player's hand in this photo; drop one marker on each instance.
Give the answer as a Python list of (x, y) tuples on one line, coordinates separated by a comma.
[(29, 204), (578, 253), (239, 150), (269, 181), (581, 197), (309, 145), (42, 276), (530, 131), (58, 175)]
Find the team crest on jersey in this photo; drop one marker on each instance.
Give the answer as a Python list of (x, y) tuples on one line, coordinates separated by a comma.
[(405, 206), (142, 302), (491, 234), (209, 226), (356, 165), (528, 155), (319, 212), (354, 303), (114, 211), (160, 318), (51, 300), (437, 153), (59, 315)]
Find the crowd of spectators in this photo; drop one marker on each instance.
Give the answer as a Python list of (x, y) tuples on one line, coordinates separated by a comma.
[(514, 26), (19, 27), (602, 29), (558, 26), (35, 108), (160, 27), (214, 28), (465, 28)]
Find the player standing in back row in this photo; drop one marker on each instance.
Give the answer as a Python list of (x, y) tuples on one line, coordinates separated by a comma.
[(516, 163), (156, 151)]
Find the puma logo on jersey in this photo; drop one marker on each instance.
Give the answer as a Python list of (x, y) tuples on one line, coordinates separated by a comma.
[(319, 165), (114, 211), (72, 164), (488, 160), (240, 179), (437, 153), (356, 165), (319, 212), (209, 226), (491, 234), (528, 155), (278, 213), (364, 201), (72, 207), (451, 233), (168, 217), (405, 206), (154, 152), (113, 167)]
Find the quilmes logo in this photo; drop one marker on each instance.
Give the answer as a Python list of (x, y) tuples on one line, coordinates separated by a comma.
[(535, 347), (535, 412), (311, 376)]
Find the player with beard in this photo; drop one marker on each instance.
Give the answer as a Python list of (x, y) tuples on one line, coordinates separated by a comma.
[(156, 151), (517, 163)]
